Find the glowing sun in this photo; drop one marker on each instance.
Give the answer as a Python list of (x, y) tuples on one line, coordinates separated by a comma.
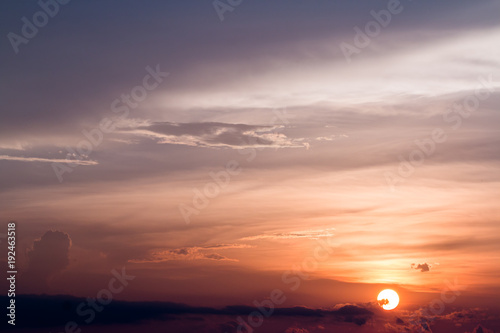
[(388, 299)]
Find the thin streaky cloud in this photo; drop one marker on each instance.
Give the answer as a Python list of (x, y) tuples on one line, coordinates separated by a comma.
[(215, 135), (47, 160), (190, 253), (310, 234)]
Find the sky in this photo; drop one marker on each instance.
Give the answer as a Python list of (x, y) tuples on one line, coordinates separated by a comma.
[(238, 166)]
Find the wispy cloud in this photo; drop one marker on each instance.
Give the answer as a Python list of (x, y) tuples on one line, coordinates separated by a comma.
[(308, 234), (215, 135), (331, 137), (47, 160), (13, 145), (190, 253)]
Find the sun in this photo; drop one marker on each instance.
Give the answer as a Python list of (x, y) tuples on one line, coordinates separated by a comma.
[(388, 299)]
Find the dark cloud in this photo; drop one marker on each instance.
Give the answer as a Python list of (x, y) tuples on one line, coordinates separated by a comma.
[(189, 253), (49, 256), (55, 311), (481, 329), (421, 320), (383, 302), (38, 312), (425, 267), (464, 316), (296, 329)]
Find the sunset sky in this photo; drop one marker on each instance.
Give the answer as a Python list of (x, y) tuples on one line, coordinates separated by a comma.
[(218, 151)]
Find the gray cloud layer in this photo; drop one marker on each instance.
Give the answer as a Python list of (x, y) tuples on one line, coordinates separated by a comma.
[(49, 256)]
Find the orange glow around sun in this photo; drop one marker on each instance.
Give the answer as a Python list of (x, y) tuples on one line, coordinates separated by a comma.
[(388, 299)]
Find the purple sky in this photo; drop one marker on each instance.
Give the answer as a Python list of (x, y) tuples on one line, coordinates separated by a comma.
[(220, 152)]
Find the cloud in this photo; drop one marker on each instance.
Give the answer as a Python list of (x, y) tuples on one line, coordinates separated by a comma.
[(49, 256), (421, 321), (190, 253), (331, 137), (383, 302), (295, 329), (464, 316), (216, 135), (47, 160), (309, 234), (481, 329), (13, 145), (42, 312), (425, 267)]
